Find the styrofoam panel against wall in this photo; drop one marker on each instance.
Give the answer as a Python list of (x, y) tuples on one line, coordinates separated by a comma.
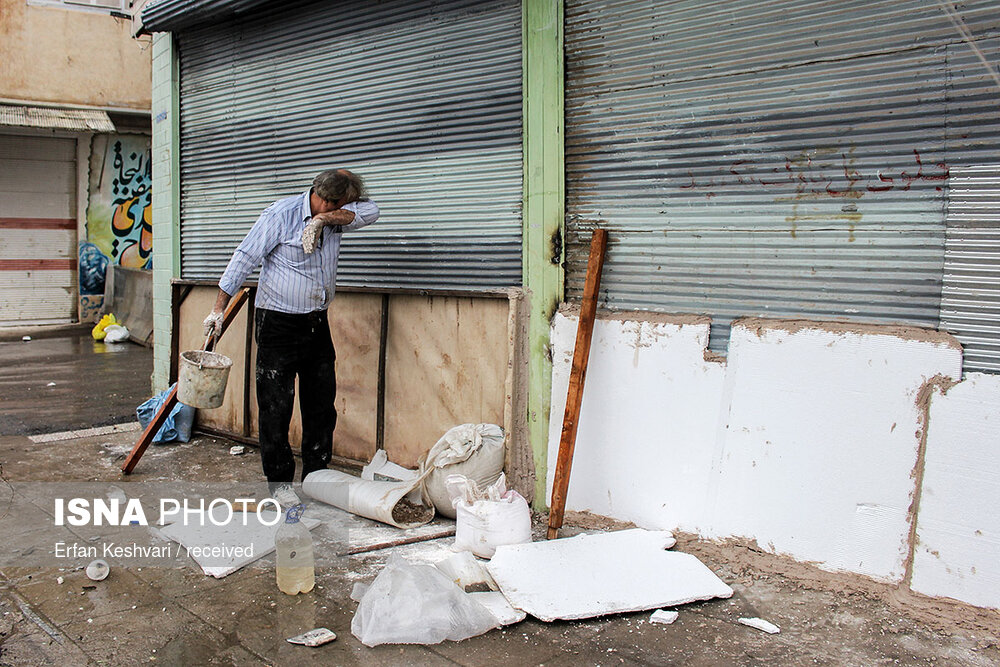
[(815, 456), (805, 440), (958, 526), (647, 422)]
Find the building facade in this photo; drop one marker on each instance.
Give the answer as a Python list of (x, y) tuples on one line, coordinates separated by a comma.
[(75, 158), (801, 286)]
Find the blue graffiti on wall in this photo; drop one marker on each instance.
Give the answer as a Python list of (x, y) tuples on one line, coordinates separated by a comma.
[(93, 268)]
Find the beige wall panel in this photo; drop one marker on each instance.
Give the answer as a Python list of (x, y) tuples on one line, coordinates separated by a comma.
[(355, 322), (446, 365), (72, 57), (229, 416)]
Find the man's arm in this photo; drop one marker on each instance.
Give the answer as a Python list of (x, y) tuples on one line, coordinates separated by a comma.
[(259, 241), (349, 217), (354, 215)]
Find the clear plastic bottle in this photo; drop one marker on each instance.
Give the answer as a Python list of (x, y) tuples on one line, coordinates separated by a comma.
[(293, 549)]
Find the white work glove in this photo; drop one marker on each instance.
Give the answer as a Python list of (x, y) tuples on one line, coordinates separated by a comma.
[(213, 324), (312, 235)]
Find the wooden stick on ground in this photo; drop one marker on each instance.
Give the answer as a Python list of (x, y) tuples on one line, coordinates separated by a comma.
[(578, 373), (154, 426)]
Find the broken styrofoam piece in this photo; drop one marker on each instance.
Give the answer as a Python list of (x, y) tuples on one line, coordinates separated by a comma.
[(313, 638), (663, 617), (499, 607), (380, 501), (467, 573), (607, 573), (760, 624), (237, 450), (243, 536)]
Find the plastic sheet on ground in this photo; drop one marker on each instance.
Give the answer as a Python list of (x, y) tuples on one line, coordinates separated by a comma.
[(412, 603)]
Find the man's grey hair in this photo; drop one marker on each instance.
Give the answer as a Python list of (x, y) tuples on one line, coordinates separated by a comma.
[(336, 184)]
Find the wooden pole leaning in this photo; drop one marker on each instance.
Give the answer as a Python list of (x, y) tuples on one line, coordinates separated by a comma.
[(154, 426), (578, 373)]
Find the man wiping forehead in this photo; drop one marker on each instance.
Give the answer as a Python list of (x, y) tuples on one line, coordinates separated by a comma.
[(296, 242)]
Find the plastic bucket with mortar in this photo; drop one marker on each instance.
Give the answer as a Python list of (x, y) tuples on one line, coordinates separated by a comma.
[(202, 378)]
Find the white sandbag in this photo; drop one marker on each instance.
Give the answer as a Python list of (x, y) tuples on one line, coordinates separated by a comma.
[(488, 519), (381, 501), (475, 451), (412, 603)]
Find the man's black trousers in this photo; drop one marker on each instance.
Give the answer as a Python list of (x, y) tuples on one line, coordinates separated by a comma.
[(290, 345)]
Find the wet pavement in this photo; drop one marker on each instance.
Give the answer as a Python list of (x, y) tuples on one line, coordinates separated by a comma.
[(65, 380), (148, 614)]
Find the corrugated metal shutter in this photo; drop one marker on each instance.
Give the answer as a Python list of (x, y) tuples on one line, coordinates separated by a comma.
[(38, 265), (172, 15), (423, 99), (774, 158), (970, 303)]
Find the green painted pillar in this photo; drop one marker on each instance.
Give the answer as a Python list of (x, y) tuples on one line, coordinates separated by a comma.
[(166, 198), (544, 210)]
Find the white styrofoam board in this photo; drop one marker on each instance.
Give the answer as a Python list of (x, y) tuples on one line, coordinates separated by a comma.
[(815, 456), (234, 533), (647, 421), (595, 575), (958, 526)]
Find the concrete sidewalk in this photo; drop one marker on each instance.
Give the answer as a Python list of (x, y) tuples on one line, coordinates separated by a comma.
[(178, 616)]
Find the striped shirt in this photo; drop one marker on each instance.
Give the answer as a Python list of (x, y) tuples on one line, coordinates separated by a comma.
[(290, 280)]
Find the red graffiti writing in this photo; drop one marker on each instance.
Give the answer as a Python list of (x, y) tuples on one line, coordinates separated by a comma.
[(832, 178)]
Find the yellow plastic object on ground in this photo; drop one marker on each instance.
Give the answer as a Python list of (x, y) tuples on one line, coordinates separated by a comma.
[(98, 331)]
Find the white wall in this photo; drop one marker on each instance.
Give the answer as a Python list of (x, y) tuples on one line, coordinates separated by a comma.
[(806, 439), (958, 527)]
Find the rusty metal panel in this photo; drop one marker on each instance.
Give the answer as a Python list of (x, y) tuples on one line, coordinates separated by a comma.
[(970, 303), (53, 118), (423, 99), (774, 158)]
